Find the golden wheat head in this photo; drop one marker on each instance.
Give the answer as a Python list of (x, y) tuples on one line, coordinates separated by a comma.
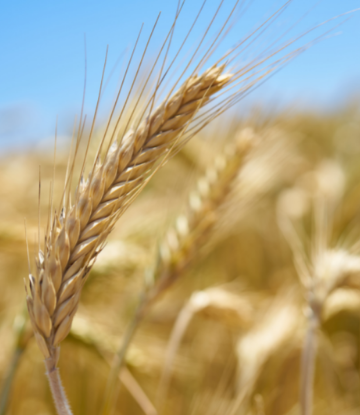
[(78, 232)]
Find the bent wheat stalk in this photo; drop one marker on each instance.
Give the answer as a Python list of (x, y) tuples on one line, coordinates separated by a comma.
[(220, 304)]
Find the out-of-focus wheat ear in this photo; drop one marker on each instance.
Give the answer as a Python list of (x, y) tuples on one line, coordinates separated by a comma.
[(324, 269), (184, 241), (228, 308), (277, 326)]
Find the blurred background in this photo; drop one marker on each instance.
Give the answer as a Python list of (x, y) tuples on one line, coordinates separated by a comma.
[(226, 337)]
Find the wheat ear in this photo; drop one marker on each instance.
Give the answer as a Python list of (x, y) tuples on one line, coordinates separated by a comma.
[(220, 304), (77, 234), (183, 242), (323, 270)]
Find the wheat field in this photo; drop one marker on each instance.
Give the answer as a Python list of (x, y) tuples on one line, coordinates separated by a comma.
[(184, 260)]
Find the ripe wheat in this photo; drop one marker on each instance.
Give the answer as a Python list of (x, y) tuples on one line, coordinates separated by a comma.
[(79, 230), (183, 242), (324, 270), (78, 233)]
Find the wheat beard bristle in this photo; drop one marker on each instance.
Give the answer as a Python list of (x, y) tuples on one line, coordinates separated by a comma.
[(77, 234)]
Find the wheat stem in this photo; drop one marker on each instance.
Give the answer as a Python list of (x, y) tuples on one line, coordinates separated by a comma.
[(308, 364), (117, 363), (4, 397), (57, 390), (22, 337)]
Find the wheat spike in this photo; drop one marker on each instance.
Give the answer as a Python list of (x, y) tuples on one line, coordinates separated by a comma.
[(216, 302), (324, 270), (79, 231), (183, 241)]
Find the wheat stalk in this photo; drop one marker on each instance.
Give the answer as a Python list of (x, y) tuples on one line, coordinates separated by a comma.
[(23, 334)]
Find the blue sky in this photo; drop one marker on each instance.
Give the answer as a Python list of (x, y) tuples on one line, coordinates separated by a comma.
[(42, 55)]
